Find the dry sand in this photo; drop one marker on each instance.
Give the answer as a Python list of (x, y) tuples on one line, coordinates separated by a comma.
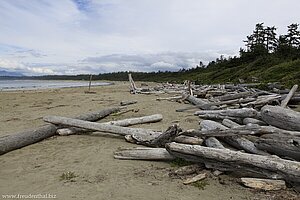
[(36, 169)]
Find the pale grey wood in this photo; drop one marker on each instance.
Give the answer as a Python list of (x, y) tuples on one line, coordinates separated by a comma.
[(228, 102), (194, 179), (281, 117), (243, 112), (249, 120), (235, 141), (290, 170), (264, 184), (15, 141), (289, 96), (193, 100), (143, 153), (123, 122), (214, 143), (234, 96), (262, 100), (139, 134), (188, 140), (230, 124)]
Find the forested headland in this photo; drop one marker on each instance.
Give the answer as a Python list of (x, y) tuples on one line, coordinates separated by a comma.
[(266, 57)]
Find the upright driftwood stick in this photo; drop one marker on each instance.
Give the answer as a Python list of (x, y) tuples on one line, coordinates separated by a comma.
[(15, 141), (290, 170), (289, 96)]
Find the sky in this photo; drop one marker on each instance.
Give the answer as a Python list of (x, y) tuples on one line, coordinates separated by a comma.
[(39, 37)]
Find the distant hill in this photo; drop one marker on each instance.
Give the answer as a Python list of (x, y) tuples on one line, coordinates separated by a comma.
[(7, 73)]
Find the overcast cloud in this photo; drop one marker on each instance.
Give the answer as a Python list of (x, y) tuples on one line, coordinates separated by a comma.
[(95, 36)]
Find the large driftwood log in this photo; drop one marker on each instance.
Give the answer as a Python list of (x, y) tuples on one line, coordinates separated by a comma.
[(210, 141), (281, 145), (289, 96), (228, 102), (139, 134), (123, 122), (281, 117), (165, 137), (230, 124), (143, 153), (22, 139), (290, 170), (188, 140)]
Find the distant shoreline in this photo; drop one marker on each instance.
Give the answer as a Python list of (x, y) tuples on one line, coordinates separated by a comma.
[(21, 84)]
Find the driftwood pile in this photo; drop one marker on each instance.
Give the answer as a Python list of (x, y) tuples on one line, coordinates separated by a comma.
[(243, 130)]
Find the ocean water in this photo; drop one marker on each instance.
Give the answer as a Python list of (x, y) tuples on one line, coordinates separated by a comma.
[(10, 85)]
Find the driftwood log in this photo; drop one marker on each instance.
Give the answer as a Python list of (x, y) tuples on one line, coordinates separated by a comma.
[(143, 153), (264, 184), (139, 134), (15, 141), (290, 170), (285, 101), (281, 117), (123, 122)]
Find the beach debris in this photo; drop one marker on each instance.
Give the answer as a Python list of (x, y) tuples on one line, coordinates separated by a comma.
[(25, 138), (264, 184)]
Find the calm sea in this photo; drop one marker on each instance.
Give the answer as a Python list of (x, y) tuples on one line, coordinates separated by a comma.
[(8, 85)]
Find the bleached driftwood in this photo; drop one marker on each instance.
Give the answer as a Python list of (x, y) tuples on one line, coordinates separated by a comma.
[(243, 112), (123, 122), (262, 100), (139, 134), (194, 179), (228, 102), (210, 141), (235, 141), (133, 88), (281, 145), (281, 117), (166, 137), (169, 98), (188, 140), (288, 169), (25, 138), (186, 170), (249, 120), (193, 100), (264, 184), (230, 124), (234, 96), (289, 96), (143, 153)]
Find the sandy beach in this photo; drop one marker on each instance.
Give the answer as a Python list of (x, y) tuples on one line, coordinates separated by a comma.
[(36, 169)]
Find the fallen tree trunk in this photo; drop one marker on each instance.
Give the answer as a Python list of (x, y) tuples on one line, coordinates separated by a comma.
[(15, 141), (139, 134), (188, 140), (290, 170), (281, 117), (289, 96), (123, 122), (143, 153), (234, 96)]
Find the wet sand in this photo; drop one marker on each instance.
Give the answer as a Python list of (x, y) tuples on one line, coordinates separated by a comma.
[(36, 169)]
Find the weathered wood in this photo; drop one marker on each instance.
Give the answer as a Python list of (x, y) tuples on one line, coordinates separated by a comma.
[(194, 179), (220, 132), (249, 120), (290, 170), (264, 184), (281, 117), (143, 153), (235, 141), (234, 96), (139, 134), (289, 96), (281, 145), (237, 168), (188, 140), (228, 102), (193, 100), (220, 117), (214, 143), (15, 141), (175, 98), (243, 112), (230, 124), (125, 103), (123, 122), (262, 100), (166, 136)]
